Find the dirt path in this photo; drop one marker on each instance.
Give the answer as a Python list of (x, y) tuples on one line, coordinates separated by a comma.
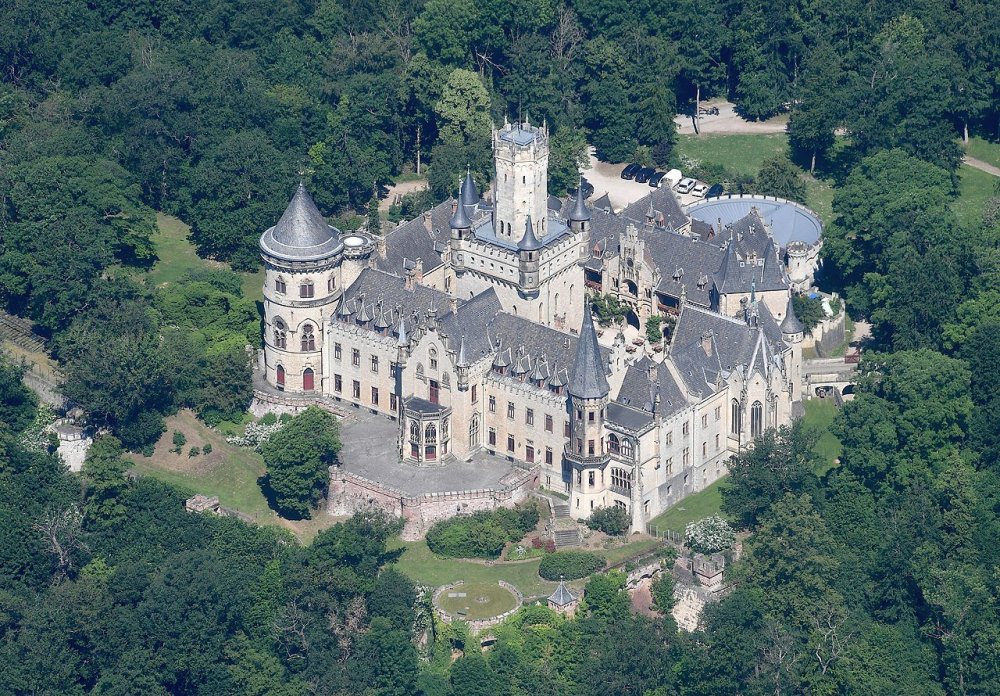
[(981, 166), (728, 121), (400, 190)]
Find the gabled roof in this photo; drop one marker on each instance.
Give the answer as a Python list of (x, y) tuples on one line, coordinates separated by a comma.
[(589, 380), (302, 233), (638, 391), (413, 240)]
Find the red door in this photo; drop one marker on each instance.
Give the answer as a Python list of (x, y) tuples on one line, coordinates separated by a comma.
[(280, 377), (433, 391), (307, 380)]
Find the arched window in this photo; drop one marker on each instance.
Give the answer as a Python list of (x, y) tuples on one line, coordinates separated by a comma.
[(541, 313), (756, 419), (415, 431), (280, 334), (306, 289), (613, 444), (433, 357), (474, 431), (555, 303), (308, 379), (627, 448), (621, 479), (279, 285), (430, 434), (444, 430), (735, 418), (308, 339), (279, 376)]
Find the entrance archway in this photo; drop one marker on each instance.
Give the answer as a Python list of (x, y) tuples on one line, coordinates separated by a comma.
[(633, 319)]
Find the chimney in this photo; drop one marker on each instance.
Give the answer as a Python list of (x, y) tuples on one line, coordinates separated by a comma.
[(428, 222), (453, 302), (408, 281), (651, 371), (418, 271), (706, 343), (380, 246)]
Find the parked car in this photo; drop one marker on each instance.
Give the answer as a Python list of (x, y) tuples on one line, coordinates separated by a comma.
[(673, 177), (700, 190), (656, 180), (642, 176), (685, 185), (631, 170), (588, 189), (715, 191)]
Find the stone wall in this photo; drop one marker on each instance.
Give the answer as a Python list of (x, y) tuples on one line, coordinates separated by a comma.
[(478, 625), (350, 493)]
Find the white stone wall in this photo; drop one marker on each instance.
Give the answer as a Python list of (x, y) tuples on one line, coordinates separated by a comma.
[(351, 337), (521, 186)]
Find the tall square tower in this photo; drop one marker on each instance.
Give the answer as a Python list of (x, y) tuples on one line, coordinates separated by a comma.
[(521, 153)]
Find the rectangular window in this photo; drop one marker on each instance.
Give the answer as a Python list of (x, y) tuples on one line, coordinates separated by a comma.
[(374, 363), (670, 438), (392, 402), (684, 429), (433, 394), (356, 357), (590, 416), (510, 443), (475, 394), (493, 437), (548, 455), (279, 286), (493, 404), (704, 450), (718, 413), (590, 448), (434, 363), (529, 454), (687, 456), (590, 478), (579, 446), (338, 384), (331, 284), (336, 351), (548, 423), (566, 429), (579, 414), (579, 478), (669, 464), (704, 420), (375, 396), (716, 442), (669, 489), (529, 416), (357, 389), (510, 409)]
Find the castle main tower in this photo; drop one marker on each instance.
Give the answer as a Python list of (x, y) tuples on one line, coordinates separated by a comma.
[(521, 153)]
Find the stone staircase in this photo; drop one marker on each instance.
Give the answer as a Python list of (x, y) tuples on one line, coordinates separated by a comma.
[(565, 538), (561, 510)]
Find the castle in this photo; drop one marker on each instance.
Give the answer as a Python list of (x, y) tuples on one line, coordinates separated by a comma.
[(469, 327)]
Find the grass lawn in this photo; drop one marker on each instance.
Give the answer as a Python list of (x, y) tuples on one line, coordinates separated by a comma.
[(477, 600), (635, 548), (695, 507), (425, 568), (984, 150), (820, 414), (177, 256), (975, 187), (745, 153), (228, 472)]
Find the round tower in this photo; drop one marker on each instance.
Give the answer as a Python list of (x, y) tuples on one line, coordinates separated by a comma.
[(521, 155), (528, 251), (358, 249), (460, 223), (302, 283), (798, 264)]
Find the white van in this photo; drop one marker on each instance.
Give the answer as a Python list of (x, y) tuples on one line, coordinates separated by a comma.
[(686, 185), (672, 178)]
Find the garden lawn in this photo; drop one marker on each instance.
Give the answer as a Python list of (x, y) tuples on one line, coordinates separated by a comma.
[(176, 256), (745, 153), (974, 188), (984, 150), (695, 507), (482, 600), (819, 415), (642, 545)]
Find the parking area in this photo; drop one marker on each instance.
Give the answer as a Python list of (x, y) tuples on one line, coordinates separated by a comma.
[(606, 179)]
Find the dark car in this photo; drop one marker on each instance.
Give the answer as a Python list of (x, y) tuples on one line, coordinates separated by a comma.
[(631, 170), (642, 176), (588, 189), (655, 180), (715, 191)]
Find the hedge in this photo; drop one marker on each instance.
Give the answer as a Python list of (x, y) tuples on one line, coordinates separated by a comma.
[(570, 565), (482, 534)]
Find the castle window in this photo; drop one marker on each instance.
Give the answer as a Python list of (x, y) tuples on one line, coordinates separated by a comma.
[(338, 383), (474, 431), (375, 396), (308, 379), (337, 351), (414, 431), (704, 420), (279, 285), (493, 437), (548, 455), (434, 360), (356, 391), (717, 442), (687, 457), (279, 377), (734, 420), (590, 478), (430, 434), (374, 363), (704, 450), (529, 417), (621, 479), (529, 454), (718, 413), (590, 416), (493, 404), (433, 391), (670, 438), (684, 429), (280, 334), (355, 357), (306, 289), (475, 394), (510, 443), (756, 419), (308, 341), (590, 448), (614, 445), (548, 423), (331, 283), (627, 448), (510, 409)]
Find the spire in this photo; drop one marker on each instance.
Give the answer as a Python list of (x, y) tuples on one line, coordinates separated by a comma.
[(791, 324), (462, 362), (460, 220), (468, 194), (589, 380), (579, 212), (528, 242)]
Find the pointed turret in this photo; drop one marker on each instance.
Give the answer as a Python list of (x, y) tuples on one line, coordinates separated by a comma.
[(469, 194), (580, 212), (462, 361), (589, 380), (403, 340), (529, 242), (791, 324), (302, 233), (460, 220)]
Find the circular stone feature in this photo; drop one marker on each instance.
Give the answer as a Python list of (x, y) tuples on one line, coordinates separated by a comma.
[(475, 601), (354, 241)]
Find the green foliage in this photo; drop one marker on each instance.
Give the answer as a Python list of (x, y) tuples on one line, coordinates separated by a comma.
[(654, 332), (613, 520), (608, 309), (570, 565), (298, 458), (194, 451), (178, 439), (809, 310), (662, 590), (482, 534), (779, 177), (104, 471), (18, 404), (206, 448)]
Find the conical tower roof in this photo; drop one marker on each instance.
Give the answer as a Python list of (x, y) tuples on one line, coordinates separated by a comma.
[(470, 194), (580, 212), (589, 380), (460, 220), (529, 242), (791, 323), (302, 233)]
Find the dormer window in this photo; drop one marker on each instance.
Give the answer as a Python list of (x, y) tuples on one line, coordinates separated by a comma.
[(306, 289)]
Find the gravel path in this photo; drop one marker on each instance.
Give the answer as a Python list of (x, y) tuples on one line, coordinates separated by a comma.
[(728, 121), (981, 166)]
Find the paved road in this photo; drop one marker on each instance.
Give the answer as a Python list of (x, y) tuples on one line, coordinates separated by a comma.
[(981, 166)]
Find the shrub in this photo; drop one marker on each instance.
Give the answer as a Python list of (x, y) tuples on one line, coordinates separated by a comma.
[(612, 520), (570, 565), (148, 450), (482, 534), (194, 451), (269, 419), (179, 441), (709, 535), (207, 449)]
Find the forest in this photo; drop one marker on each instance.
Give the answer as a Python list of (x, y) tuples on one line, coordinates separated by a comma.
[(879, 576)]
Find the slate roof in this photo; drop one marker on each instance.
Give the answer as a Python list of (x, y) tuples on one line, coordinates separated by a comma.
[(562, 596), (588, 380), (302, 233), (529, 242), (638, 392), (412, 240), (472, 323), (628, 418), (579, 212), (484, 232), (788, 221), (469, 192), (380, 302), (750, 261), (791, 323), (664, 204)]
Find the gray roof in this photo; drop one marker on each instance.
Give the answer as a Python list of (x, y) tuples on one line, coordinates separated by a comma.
[(519, 135), (665, 206), (588, 380), (750, 260), (485, 232), (579, 212), (791, 323), (639, 392), (789, 222), (562, 596), (301, 234), (460, 220), (413, 240), (529, 242), (471, 324), (469, 192), (380, 302), (628, 418)]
